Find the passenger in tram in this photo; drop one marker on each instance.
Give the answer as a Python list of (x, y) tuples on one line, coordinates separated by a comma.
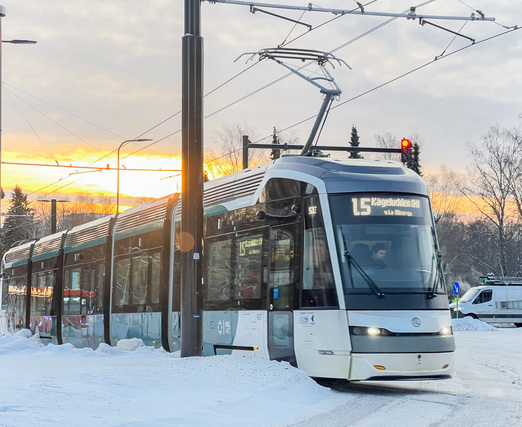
[(378, 254)]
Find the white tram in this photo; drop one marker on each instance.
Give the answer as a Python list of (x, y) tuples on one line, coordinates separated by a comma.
[(331, 265)]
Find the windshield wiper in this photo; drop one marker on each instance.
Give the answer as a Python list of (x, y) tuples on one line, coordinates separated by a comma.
[(432, 292), (373, 286)]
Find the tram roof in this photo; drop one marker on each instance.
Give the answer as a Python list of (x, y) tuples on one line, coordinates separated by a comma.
[(353, 175)]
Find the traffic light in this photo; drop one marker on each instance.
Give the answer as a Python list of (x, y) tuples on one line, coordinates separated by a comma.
[(405, 150)]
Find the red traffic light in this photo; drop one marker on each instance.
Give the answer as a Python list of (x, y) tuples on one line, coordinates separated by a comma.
[(405, 150), (405, 143)]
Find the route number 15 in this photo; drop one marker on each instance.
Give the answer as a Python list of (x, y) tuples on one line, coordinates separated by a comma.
[(362, 207)]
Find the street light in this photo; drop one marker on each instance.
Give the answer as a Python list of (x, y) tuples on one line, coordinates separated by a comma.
[(118, 180), (2, 14)]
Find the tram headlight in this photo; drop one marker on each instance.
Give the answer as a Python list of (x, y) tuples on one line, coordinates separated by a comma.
[(446, 330), (371, 331)]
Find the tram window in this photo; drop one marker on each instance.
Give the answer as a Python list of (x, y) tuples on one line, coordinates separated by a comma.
[(5, 293), (38, 294), (138, 288), (155, 261), (121, 288), (318, 283), (282, 267), (51, 283), (280, 188), (219, 271), (74, 292), (100, 278), (88, 292), (248, 267)]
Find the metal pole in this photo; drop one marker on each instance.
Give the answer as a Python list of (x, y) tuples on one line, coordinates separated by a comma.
[(192, 182), (53, 216), (245, 151), (2, 14)]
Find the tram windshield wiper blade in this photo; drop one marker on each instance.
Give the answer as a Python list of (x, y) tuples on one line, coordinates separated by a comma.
[(373, 286), (432, 293)]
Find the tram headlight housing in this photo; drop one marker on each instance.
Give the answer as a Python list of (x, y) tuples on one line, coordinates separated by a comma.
[(446, 330), (371, 331)]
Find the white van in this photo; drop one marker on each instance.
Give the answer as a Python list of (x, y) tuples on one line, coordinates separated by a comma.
[(499, 301)]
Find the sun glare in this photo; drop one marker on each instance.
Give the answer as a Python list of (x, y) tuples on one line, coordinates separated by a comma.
[(141, 175)]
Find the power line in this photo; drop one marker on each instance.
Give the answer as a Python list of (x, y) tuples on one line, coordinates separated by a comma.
[(106, 168)]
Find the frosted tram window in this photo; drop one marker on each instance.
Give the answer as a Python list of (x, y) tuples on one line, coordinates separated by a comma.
[(219, 270), (121, 288), (155, 264), (140, 268)]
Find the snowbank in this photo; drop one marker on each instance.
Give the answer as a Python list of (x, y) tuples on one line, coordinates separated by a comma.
[(135, 385), (470, 324)]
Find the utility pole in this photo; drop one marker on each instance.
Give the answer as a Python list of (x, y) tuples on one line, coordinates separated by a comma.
[(54, 215), (245, 151), (192, 182)]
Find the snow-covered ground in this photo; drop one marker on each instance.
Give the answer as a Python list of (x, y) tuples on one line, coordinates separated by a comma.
[(137, 386)]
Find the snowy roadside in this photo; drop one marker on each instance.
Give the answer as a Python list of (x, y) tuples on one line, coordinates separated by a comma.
[(133, 385)]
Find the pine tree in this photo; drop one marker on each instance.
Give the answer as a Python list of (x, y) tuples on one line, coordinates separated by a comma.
[(354, 142), (414, 159), (19, 221)]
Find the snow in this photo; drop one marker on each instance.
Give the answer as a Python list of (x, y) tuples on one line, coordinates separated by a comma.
[(470, 324), (134, 385)]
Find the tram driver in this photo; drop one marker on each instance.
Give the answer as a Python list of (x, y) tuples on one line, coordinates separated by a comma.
[(378, 254)]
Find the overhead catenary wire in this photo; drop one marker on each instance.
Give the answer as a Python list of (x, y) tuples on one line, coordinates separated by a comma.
[(216, 112), (32, 128), (177, 113), (373, 89)]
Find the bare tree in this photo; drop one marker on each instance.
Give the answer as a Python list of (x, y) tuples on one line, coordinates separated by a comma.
[(445, 196), (388, 140), (493, 175), (227, 157)]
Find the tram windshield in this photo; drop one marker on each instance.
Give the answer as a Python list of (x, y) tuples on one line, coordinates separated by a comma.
[(386, 244)]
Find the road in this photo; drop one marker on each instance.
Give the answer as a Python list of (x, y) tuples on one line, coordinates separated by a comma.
[(486, 391)]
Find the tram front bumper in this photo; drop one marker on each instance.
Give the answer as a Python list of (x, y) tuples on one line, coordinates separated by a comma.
[(406, 366)]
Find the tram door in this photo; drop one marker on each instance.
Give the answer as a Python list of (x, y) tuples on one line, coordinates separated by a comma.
[(282, 278)]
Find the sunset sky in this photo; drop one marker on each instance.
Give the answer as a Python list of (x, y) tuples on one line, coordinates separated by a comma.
[(104, 72)]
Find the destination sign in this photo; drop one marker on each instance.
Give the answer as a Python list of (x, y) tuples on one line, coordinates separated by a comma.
[(387, 206)]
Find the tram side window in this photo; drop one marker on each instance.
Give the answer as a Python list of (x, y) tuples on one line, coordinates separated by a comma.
[(5, 293), (88, 301), (121, 287), (16, 298), (72, 291), (155, 265), (219, 271), (248, 267), (318, 282), (138, 290), (38, 286), (137, 282)]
